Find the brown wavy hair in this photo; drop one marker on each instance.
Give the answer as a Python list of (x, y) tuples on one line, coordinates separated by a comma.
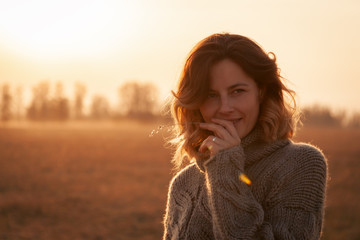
[(277, 117)]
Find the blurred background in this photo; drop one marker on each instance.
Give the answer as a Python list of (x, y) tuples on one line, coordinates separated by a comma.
[(83, 83)]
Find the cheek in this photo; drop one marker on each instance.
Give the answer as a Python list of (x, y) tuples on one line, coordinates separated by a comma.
[(252, 109), (255, 115), (207, 111)]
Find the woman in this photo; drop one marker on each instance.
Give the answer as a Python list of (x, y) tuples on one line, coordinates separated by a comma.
[(246, 179)]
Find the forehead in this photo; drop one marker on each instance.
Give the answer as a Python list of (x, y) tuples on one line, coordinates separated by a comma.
[(227, 73)]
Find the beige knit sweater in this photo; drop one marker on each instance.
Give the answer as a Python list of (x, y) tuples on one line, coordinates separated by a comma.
[(206, 200)]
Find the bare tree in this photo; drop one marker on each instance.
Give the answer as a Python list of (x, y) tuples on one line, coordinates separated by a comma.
[(100, 108), (6, 101), (80, 91), (322, 116), (59, 105), (39, 107), (18, 102), (138, 99), (44, 107)]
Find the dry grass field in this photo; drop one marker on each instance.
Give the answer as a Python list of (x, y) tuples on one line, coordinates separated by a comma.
[(109, 181)]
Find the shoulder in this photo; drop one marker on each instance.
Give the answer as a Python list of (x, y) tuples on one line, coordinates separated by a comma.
[(305, 151), (304, 156), (187, 179), (300, 177)]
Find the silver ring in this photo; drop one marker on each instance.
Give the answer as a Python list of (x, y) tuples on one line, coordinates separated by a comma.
[(214, 138)]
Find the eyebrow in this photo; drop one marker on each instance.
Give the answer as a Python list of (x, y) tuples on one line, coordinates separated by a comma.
[(238, 85)]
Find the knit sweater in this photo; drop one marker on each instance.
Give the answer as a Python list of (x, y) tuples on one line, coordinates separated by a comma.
[(285, 200)]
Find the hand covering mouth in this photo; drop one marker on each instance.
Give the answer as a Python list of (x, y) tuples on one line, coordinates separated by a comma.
[(233, 120)]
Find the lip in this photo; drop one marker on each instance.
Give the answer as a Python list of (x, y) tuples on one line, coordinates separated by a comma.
[(234, 120)]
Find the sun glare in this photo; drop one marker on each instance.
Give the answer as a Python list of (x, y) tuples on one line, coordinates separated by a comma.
[(66, 28)]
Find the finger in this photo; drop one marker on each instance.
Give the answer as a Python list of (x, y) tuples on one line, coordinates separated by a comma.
[(213, 145), (205, 145), (228, 125), (217, 129)]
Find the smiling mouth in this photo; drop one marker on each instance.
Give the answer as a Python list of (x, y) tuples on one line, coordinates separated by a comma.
[(236, 121)]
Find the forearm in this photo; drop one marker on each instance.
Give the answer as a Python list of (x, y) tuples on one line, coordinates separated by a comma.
[(236, 213)]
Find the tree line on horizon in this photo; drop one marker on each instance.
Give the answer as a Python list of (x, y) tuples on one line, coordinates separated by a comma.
[(49, 103), (135, 100)]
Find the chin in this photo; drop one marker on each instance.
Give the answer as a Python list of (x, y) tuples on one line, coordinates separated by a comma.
[(242, 132)]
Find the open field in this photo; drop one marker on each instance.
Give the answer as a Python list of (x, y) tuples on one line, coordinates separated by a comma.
[(109, 181)]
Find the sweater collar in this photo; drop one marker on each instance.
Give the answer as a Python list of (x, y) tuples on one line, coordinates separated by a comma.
[(255, 148)]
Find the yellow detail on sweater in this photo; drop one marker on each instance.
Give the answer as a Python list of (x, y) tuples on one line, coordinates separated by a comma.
[(244, 179)]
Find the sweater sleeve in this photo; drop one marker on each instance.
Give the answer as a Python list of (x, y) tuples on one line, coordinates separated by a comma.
[(170, 219), (182, 192), (293, 209)]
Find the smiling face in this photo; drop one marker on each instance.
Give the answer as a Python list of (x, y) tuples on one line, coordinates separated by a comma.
[(233, 96)]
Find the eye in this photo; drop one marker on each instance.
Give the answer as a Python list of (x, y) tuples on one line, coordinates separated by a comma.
[(238, 91), (212, 95)]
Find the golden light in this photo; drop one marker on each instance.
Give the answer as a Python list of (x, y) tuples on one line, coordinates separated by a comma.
[(48, 29), (244, 179)]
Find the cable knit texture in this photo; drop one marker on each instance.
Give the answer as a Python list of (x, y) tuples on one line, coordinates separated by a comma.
[(206, 200)]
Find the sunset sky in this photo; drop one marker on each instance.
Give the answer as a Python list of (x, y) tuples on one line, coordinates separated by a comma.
[(104, 43)]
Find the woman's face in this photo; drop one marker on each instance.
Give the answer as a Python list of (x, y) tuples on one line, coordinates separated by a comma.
[(233, 96)]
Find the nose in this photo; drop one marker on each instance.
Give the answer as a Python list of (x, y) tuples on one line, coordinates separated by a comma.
[(226, 105)]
